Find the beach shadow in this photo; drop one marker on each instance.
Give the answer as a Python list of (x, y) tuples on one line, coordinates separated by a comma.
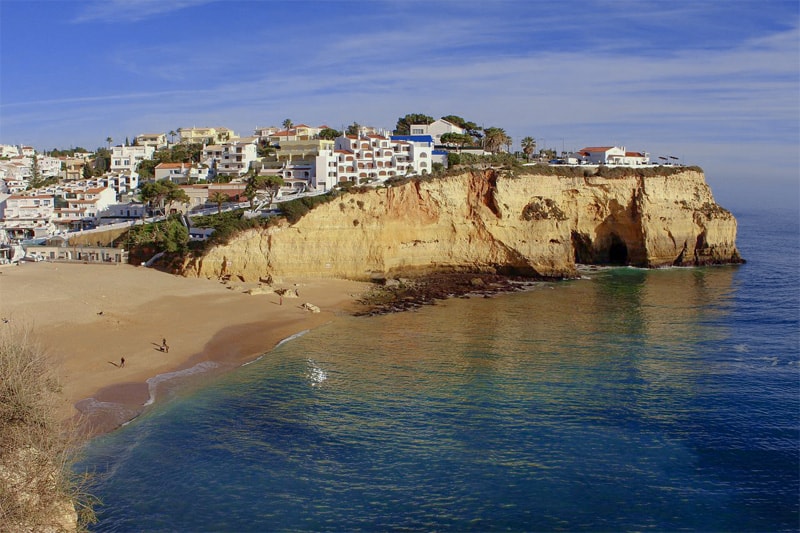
[(113, 363)]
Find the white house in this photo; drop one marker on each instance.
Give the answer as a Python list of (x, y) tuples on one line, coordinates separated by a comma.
[(263, 132), (16, 168), (175, 172), (129, 157), (8, 150), (183, 173), (435, 129), (156, 140), (611, 155), (122, 212), (49, 166)]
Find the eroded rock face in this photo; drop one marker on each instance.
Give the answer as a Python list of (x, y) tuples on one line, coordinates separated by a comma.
[(484, 221)]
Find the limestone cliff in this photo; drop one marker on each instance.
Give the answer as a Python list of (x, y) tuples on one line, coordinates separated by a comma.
[(538, 225)]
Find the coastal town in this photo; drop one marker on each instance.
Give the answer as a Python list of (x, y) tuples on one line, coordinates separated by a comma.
[(57, 194)]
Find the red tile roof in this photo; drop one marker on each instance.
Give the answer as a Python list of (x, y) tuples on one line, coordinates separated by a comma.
[(596, 149)]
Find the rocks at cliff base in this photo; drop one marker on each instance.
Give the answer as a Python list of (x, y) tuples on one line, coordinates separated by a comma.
[(413, 293)]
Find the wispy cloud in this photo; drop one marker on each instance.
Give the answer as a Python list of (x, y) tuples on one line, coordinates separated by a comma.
[(700, 78), (130, 10)]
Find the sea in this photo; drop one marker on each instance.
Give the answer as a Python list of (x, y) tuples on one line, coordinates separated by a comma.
[(626, 400)]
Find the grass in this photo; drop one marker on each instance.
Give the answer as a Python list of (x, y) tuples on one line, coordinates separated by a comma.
[(38, 489)]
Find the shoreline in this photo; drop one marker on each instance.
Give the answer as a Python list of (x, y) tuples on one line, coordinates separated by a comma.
[(87, 317)]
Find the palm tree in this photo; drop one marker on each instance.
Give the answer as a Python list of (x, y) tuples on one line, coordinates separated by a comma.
[(175, 195), (287, 124), (109, 140), (494, 139), (172, 135), (218, 198), (528, 147)]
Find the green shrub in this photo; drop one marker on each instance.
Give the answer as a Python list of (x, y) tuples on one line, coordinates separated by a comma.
[(168, 235), (294, 210), (604, 171)]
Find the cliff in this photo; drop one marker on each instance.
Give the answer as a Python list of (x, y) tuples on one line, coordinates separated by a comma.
[(538, 225)]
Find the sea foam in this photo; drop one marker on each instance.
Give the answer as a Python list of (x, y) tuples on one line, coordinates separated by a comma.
[(153, 382)]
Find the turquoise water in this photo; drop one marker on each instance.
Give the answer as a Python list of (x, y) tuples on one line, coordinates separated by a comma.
[(628, 400)]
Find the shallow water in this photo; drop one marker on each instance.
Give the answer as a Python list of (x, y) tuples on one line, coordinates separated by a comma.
[(633, 400)]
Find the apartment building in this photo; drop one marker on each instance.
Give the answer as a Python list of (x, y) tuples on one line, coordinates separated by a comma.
[(233, 158), (83, 208), (217, 135), (129, 157), (27, 217)]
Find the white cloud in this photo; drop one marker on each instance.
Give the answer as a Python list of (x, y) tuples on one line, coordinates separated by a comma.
[(130, 10)]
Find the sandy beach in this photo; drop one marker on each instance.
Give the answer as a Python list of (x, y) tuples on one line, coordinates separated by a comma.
[(88, 317)]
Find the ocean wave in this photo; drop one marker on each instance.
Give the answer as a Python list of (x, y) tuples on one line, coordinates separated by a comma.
[(152, 383), (281, 342), (90, 406), (292, 337), (257, 359)]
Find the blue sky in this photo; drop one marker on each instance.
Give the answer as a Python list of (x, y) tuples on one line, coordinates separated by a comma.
[(714, 83)]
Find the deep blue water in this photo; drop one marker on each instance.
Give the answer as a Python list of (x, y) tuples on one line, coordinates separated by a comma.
[(634, 400)]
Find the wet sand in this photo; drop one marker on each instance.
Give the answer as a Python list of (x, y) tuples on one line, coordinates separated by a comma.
[(87, 317)]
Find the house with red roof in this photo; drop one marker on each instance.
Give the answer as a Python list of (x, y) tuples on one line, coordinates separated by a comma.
[(611, 155)]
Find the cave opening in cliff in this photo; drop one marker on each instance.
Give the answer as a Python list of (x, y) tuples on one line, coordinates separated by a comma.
[(618, 251), (582, 248)]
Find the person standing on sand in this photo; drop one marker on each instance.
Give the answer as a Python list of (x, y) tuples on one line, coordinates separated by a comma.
[(122, 362)]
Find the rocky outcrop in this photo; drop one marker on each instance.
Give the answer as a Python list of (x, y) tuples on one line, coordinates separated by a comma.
[(538, 225)]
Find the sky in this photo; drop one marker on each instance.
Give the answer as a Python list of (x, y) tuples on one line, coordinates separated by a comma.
[(714, 83)]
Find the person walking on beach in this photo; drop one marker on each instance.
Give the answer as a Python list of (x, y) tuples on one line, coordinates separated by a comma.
[(122, 362), (164, 346)]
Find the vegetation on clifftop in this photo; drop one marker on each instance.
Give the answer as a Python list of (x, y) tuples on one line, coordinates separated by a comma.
[(38, 489), (602, 171)]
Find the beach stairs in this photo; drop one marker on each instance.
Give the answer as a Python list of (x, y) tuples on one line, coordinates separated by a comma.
[(153, 259), (19, 253)]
